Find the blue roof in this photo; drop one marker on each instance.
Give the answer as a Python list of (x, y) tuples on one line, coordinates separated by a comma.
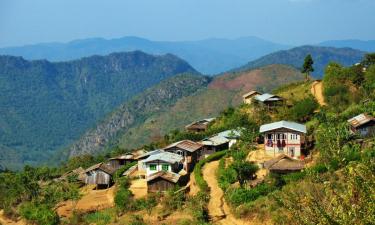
[(283, 124)]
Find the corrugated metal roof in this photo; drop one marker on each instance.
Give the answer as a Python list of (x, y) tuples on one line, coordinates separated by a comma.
[(283, 124), (157, 151), (230, 134), (164, 156), (187, 145), (267, 97), (215, 141), (103, 167), (361, 119), (202, 122), (170, 176)]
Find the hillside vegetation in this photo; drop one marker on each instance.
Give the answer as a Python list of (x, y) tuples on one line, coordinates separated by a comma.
[(321, 55), (222, 92), (44, 106)]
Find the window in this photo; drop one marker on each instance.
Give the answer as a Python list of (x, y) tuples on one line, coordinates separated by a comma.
[(280, 136), (152, 167), (179, 152), (293, 136), (270, 137), (165, 167)]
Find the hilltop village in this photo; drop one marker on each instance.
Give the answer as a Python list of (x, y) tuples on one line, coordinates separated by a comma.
[(286, 157)]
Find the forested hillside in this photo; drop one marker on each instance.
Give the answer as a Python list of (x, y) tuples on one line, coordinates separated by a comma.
[(321, 56), (222, 92), (209, 56), (44, 106)]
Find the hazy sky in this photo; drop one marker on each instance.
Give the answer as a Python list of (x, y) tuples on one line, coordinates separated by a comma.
[(284, 21)]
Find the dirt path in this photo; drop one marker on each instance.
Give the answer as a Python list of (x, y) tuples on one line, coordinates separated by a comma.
[(139, 188), (193, 185), (218, 210), (317, 92)]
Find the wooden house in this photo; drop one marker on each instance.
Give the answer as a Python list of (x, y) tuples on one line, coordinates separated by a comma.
[(248, 97), (284, 137), (117, 162), (363, 124), (79, 174), (141, 167), (199, 126), (163, 181), (232, 135), (284, 164), (213, 144), (189, 150), (99, 174), (164, 161), (268, 100)]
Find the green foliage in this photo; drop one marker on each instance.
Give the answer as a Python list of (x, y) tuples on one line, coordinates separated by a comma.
[(100, 217), (225, 176), (302, 110), (307, 67), (39, 213), (238, 196), (245, 170), (173, 200), (136, 220), (123, 169), (50, 99), (368, 60)]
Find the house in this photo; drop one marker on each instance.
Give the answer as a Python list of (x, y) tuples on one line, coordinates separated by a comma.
[(363, 124), (199, 126), (283, 164), (99, 174), (141, 167), (119, 161), (248, 97), (284, 137), (78, 173), (164, 180), (231, 135), (189, 150), (164, 161), (213, 144), (269, 100)]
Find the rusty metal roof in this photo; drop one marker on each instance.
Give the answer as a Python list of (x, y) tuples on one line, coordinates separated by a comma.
[(200, 123), (360, 120), (101, 166), (170, 176), (187, 145)]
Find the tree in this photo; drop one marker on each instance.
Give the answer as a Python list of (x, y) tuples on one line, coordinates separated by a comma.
[(307, 67), (368, 60), (245, 171)]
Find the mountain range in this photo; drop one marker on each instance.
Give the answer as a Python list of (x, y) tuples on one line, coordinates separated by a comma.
[(45, 106), (209, 56), (367, 46), (295, 57)]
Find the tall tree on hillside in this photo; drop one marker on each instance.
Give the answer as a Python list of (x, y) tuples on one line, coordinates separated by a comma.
[(368, 60), (307, 67)]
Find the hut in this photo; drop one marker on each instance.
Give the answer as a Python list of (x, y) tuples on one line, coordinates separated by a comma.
[(164, 180), (78, 174), (164, 161), (189, 150), (363, 125), (199, 126), (284, 164), (284, 137), (269, 100), (117, 162), (248, 97), (99, 174), (213, 144)]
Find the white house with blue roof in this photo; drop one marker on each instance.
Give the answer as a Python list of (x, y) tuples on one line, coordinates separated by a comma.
[(284, 137)]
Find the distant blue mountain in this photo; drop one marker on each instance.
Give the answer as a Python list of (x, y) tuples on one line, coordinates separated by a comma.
[(367, 46), (208, 56)]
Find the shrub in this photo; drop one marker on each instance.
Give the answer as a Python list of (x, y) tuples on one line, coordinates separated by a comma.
[(225, 176), (99, 218), (39, 213), (238, 196)]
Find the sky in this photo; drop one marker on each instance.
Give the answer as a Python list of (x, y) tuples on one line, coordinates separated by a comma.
[(291, 22)]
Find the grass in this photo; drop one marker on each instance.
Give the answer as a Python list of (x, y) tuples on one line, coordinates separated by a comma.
[(295, 91)]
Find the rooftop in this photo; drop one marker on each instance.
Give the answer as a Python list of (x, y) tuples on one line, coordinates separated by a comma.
[(187, 145), (267, 97), (215, 141), (360, 120), (284, 162), (164, 156), (103, 167), (250, 94), (147, 154), (230, 134), (170, 176), (283, 124)]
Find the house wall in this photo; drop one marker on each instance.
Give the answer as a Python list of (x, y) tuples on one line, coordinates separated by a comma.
[(159, 167), (160, 185), (190, 158), (293, 142), (366, 130), (98, 177)]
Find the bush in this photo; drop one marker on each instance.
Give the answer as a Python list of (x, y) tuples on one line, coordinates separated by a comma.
[(124, 197), (99, 218), (39, 213), (225, 176), (238, 196), (122, 169)]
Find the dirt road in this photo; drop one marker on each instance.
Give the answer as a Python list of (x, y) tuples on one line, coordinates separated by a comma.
[(218, 210), (317, 92)]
